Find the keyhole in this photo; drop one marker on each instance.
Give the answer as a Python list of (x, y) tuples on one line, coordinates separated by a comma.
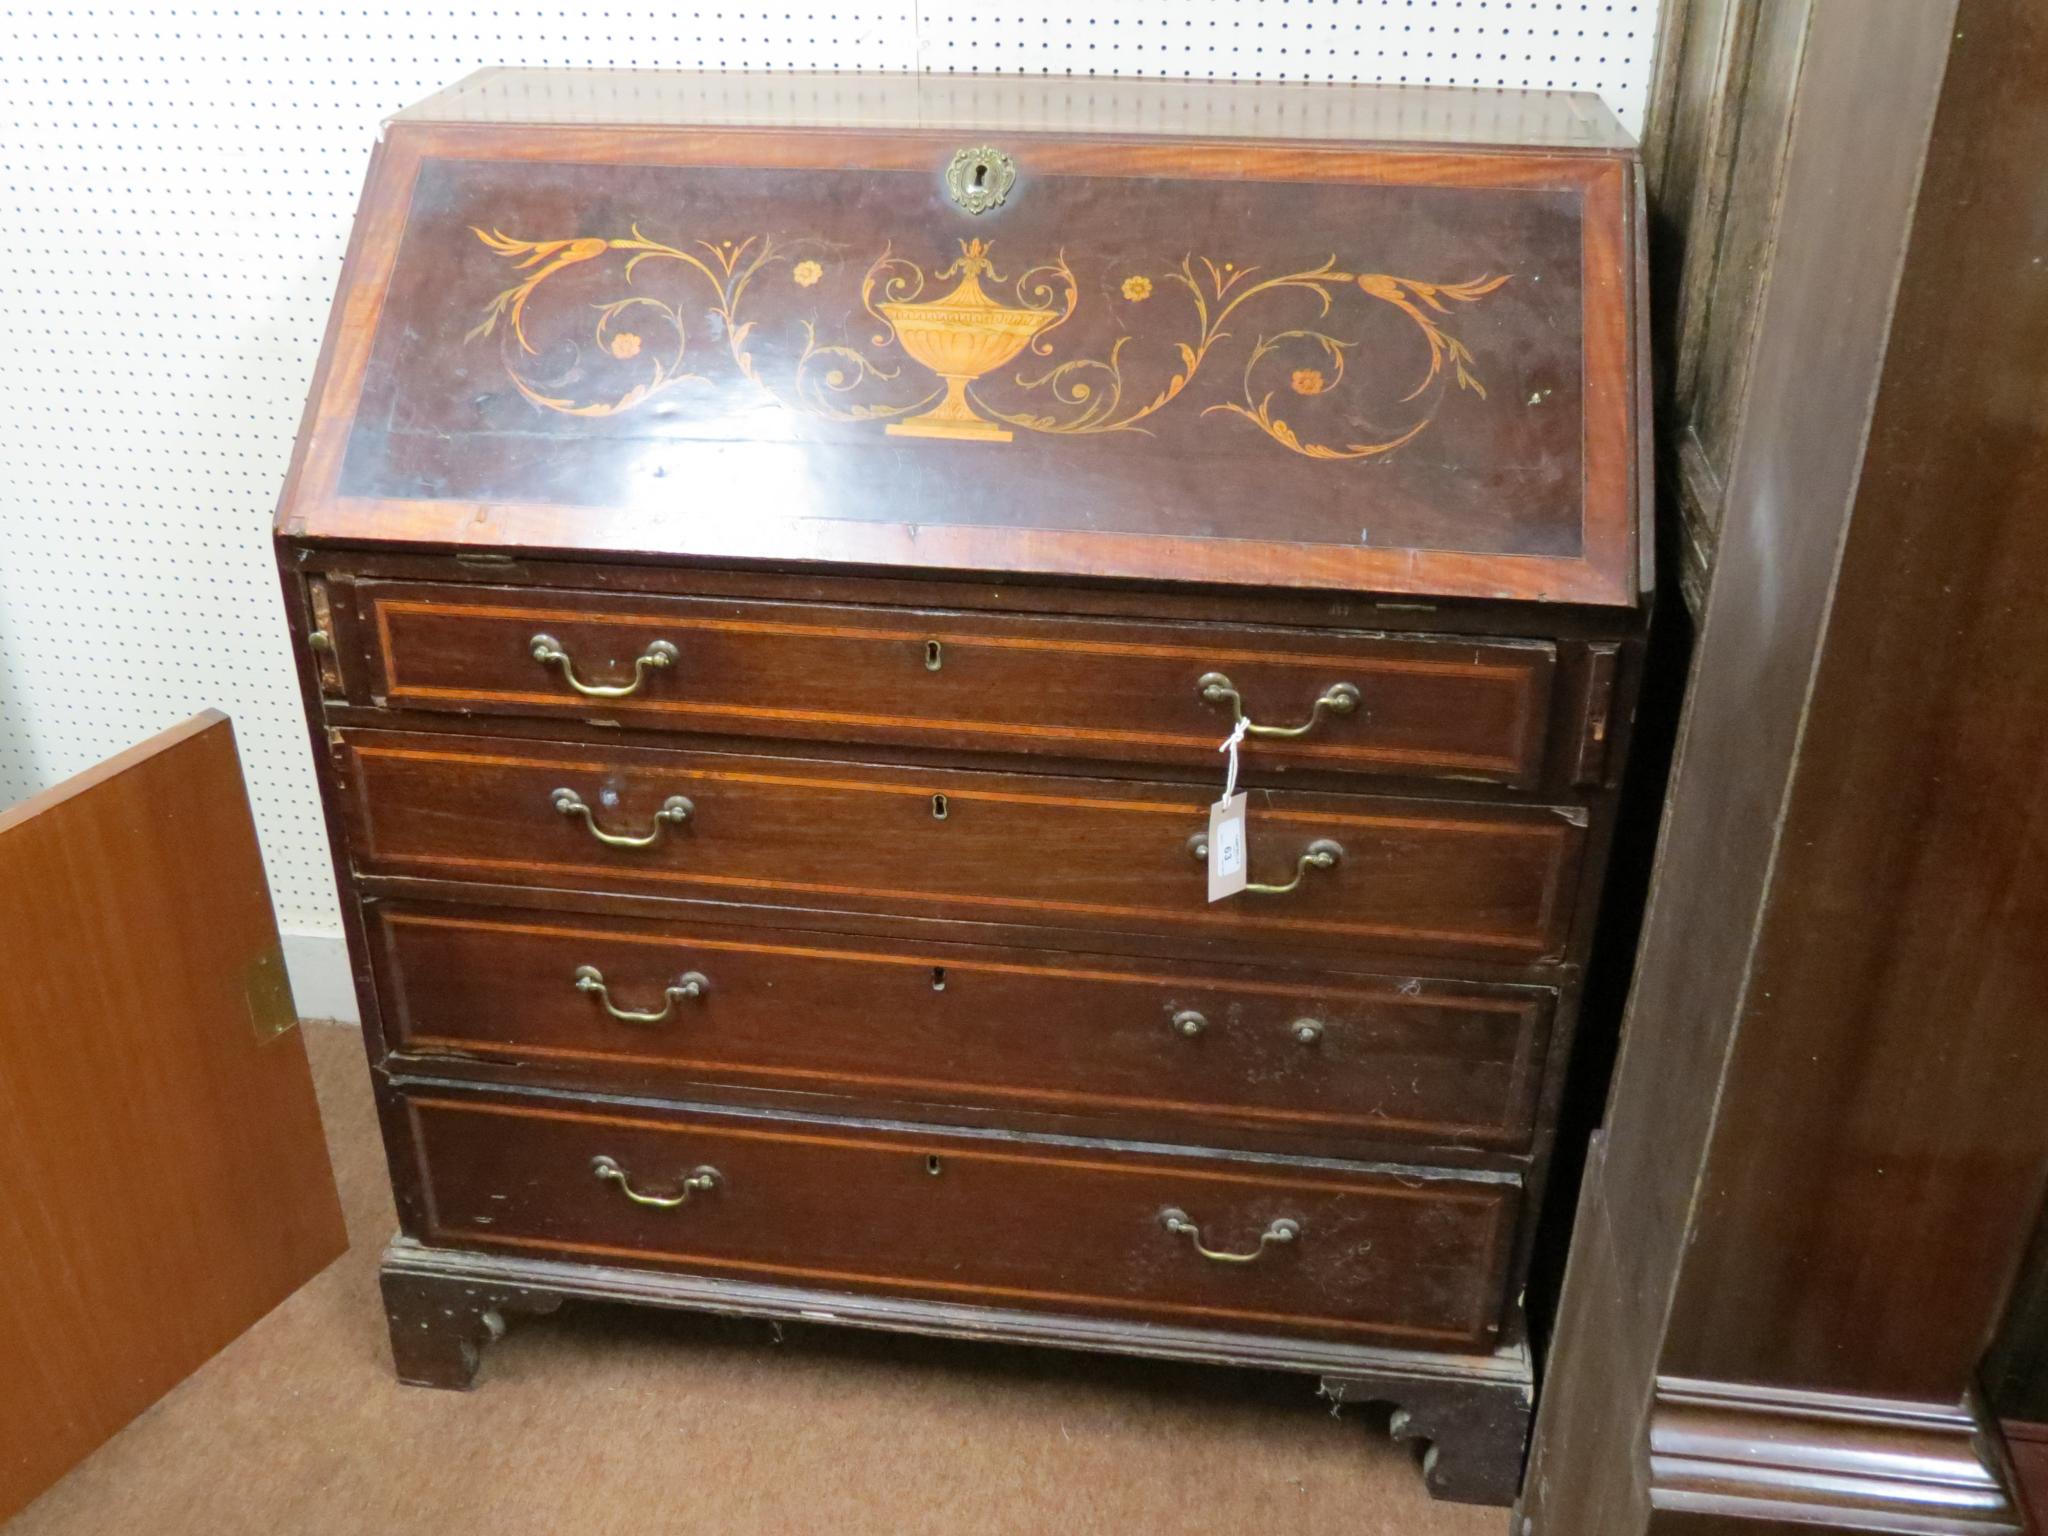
[(938, 978), (932, 657), (980, 172), (931, 1165), (939, 807)]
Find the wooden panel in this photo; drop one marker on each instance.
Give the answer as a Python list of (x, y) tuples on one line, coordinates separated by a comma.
[(163, 1180), (1467, 709), (1715, 151), (1899, 975), (1731, 258), (1101, 1040), (1408, 410), (1395, 1254), (1416, 876), (1845, 941)]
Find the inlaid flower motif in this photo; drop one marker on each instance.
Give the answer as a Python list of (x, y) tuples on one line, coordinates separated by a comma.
[(625, 344), (1307, 381), (1138, 288), (807, 273)]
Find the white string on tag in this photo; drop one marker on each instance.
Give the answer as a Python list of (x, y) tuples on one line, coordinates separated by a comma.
[(1230, 746)]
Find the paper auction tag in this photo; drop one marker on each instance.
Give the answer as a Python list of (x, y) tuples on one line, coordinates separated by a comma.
[(1226, 826), (1226, 847)]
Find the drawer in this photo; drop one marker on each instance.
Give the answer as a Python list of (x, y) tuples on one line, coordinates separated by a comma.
[(1129, 1047), (1410, 876), (1437, 707), (1342, 1250)]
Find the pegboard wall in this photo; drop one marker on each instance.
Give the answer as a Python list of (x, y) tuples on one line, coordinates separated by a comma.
[(176, 186)]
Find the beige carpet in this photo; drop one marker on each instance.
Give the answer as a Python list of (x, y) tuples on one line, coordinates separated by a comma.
[(613, 1420)]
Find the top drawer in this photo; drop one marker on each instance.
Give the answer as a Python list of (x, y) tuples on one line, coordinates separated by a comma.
[(1089, 688)]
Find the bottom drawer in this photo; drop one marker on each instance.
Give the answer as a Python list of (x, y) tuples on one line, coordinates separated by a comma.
[(1351, 1252)]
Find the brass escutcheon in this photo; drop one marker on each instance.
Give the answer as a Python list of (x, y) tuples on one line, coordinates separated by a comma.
[(980, 178)]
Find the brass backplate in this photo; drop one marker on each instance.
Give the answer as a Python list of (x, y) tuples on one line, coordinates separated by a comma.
[(268, 992)]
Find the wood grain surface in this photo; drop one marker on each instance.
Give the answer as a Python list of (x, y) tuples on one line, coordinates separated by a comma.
[(1468, 710), (163, 1180), (1444, 405), (1783, 1289), (1392, 1255), (1416, 876), (1303, 1059)]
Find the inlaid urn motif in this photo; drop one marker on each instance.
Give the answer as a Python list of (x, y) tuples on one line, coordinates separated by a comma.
[(960, 337), (968, 337)]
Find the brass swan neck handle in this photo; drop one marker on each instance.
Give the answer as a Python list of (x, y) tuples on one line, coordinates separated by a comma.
[(1281, 1231), (695, 1181), (590, 979), (675, 810), (1337, 699), (1323, 853), (549, 652)]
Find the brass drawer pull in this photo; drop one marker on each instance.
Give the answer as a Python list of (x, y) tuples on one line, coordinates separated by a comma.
[(1283, 1229), (1338, 699), (1323, 853), (547, 650), (675, 810), (690, 984), (696, 1180), (1190, 1023)]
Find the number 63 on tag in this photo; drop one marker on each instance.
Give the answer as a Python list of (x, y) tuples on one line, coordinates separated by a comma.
[(1226, 847)]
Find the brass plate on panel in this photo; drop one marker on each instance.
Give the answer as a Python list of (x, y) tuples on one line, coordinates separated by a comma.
[(267, 991)]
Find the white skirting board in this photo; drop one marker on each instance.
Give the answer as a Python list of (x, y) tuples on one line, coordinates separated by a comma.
[(322, 984)]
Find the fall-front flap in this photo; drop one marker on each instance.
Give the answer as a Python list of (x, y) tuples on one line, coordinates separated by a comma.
[(1404, 370)]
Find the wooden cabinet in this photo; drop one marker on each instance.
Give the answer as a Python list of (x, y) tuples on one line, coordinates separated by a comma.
[(770, 607)]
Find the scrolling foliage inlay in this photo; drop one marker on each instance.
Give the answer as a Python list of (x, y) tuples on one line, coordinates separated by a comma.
[(962, 337)]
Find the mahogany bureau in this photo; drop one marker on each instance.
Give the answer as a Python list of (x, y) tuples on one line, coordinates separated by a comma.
[(773, 561)]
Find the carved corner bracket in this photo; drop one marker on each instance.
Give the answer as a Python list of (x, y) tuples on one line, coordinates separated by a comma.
[(1475, 1430)]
